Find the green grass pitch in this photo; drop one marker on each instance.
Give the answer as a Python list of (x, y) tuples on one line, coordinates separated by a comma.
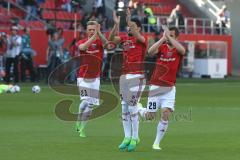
[(205, 126)]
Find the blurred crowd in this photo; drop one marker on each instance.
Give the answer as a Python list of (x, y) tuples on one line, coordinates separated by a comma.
[(16, 54), (17, 50), (144, 12)]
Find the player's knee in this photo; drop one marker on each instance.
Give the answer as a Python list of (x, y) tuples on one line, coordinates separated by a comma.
[(150, 116), (83, 105), (166, 113), (88, 111)]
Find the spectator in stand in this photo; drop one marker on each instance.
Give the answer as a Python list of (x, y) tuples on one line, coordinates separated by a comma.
[(19, 2), (223, 19), (54, 52), (67, 5), (60, 36), (26, 56), (31, 7), (40, 12), (14, 43), (77, 5), (3, 43), (3, 49), (176, 17), (149, 19), (50, 28), (137, 9), (99, 7), (39, 8)]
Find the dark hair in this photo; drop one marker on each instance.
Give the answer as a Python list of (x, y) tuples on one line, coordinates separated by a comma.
[(137, 21), (175, 29)]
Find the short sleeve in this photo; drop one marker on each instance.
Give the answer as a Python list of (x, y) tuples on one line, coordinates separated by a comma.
[(79, 43), (160, 49)]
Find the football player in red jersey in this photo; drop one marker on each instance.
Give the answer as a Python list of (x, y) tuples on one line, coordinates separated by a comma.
[(162, 84), (132, 80), (88, 81)]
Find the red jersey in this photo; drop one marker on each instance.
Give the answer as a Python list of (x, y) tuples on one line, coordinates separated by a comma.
[(133, 55), (91, 60), (167, 66)]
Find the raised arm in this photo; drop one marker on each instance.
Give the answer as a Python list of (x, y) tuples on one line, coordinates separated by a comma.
[(113, 34), (154, 48), (101, 36), (47, 53), (133, 27), (181, 50), (85, 45)]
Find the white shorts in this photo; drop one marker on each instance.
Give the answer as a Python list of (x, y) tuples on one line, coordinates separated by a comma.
[(161, 97), (131, 87), (89, 90)]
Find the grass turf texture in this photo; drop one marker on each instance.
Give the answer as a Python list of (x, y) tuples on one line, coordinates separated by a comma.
[(29, 129)]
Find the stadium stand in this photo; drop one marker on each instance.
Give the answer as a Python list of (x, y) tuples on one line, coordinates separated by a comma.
[(52, 11), (162, 7), (49, 10), (195, 28)]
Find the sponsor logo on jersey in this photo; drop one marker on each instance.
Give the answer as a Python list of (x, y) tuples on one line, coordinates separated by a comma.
[(167, 59), (128, 45), (92, 52), (169, 54)]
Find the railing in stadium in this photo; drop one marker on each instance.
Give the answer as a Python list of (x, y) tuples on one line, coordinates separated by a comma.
[(13, 4), (191, 26)]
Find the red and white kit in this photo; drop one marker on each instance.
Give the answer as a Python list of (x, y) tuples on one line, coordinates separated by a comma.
[(162, 84), (88, 79)]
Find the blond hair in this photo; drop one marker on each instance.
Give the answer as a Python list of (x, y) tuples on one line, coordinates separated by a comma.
[(92, 23)]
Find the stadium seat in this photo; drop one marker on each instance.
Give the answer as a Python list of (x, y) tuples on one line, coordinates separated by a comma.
[(60, 15), (50, 4), (49, 15)]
